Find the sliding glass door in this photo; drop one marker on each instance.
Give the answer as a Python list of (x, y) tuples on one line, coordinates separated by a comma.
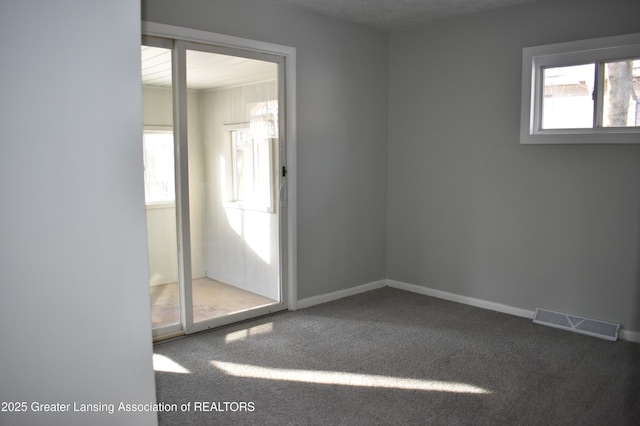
[(160, 184), (214, 175)]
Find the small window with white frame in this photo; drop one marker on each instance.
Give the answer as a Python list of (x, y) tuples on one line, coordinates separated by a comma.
[(159, 171), (250, 176), (582, 92)]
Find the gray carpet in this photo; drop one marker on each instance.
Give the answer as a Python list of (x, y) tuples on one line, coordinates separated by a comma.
[(409, 359)]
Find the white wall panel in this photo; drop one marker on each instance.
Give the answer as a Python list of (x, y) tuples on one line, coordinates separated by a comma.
[(242, 244), (196, 184), (157, 109), (162, 245)]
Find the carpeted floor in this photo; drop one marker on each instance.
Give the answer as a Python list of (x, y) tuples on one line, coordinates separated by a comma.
[(394, 357)]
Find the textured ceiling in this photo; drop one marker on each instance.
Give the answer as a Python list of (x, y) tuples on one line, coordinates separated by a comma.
[(389, 15)]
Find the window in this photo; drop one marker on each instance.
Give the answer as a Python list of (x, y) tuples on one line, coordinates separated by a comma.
[(582, 92), (251, 160), (159, 175), (251, 170)]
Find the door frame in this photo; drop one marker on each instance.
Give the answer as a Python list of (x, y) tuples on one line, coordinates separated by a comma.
[(287, 195)]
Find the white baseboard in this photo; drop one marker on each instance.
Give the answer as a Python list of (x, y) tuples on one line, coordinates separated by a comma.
[(484, 304), (630, 336), (324, 298)]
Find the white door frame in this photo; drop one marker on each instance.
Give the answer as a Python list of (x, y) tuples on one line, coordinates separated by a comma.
[(288, 228)]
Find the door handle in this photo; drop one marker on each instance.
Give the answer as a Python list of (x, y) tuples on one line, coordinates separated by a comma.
[(283, 194)]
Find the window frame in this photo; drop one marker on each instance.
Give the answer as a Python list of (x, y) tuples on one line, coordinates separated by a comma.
[(537, 58), (232, 200), (166, 130)]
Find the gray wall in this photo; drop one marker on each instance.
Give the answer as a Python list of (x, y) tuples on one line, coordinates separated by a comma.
[(342, 131), (474, 213), (74, 295)]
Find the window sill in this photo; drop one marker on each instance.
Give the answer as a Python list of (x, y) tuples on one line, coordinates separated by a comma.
[(249, 207), (623, 136), (167, 205)]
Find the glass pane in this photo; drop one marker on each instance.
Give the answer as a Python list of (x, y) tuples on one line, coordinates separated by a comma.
[(242, 146), (264, 130), (159, 178), (232, 108), (621, 94), (567, 101), (262, 160)]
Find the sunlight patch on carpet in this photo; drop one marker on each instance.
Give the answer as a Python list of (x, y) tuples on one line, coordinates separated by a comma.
[(243, 334), (345, 379), (166, 364)]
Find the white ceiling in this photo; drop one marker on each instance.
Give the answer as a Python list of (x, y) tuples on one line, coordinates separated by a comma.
[(389, 15), (205, 71)]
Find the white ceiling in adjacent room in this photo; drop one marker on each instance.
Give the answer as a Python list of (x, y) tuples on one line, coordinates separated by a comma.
[(205, 71)]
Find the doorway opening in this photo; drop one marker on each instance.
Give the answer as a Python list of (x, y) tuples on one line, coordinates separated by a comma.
[(216, 179)]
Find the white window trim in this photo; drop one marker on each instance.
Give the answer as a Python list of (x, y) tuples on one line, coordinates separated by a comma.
[(158, 204), (231, 202), (534, 59), (230, 178)]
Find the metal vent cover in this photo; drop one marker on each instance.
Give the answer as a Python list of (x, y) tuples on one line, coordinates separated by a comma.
[(578, 324)]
